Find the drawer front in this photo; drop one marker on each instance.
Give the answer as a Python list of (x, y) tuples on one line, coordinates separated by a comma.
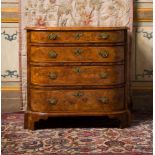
[(77, 75), (77, 54), (106, 100), (76, 36)]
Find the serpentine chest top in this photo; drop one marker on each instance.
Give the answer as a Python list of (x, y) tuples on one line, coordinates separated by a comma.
[(76, 71)]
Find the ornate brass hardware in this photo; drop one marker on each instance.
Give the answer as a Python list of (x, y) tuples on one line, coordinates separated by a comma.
[(78, 51), (52, 36), (78, 94), (78, 35), (52, 76), (103, 75), (52, 54), (77, 69), (104, 100), (52, 101), (104, 35), (104, 54)]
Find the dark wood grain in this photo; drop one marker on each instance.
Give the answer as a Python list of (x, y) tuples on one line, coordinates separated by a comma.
[(77, 54), (105, 100), (78, 75), (86, 36)]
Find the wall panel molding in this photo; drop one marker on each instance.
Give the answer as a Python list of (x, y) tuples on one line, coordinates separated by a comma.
[(8, 88), (11, 100), (143, 15), (11, 95), (142, 50), (10, 12), (142, 54), (10, 53)]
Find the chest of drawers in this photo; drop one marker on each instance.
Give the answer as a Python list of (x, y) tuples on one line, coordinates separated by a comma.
[(77, 72)]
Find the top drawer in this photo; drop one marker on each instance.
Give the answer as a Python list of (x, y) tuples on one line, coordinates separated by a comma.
[(104, 36)]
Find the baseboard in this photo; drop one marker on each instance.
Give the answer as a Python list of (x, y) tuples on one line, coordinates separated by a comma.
[(10, 100), (142, 99)]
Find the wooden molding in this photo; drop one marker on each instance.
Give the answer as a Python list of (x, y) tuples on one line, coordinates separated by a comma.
[(143, 15), (9, 20), (9, 10), (10, 88), (10, 15)]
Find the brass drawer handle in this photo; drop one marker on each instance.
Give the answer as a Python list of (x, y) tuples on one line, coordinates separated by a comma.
[(52, 76), (78, 52), (52, 54), (104, 54), (52, 36), (78, 35), (78, 94), (52, 101), (103, 75), (104, 35), (104, 100)]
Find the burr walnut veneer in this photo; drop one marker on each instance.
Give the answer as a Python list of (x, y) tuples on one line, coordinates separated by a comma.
[(77, 72)]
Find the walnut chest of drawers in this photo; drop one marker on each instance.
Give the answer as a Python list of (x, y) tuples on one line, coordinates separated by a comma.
[(77, 72)]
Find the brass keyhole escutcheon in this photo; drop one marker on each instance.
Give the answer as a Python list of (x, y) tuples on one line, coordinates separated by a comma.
[(103, 75), (104, 54), (52, 76), (78, 35), (78, 94), (52, 36), (52, 101), (104, 100), (77, 69), (78, 51), (52, 54), (104, 35)]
